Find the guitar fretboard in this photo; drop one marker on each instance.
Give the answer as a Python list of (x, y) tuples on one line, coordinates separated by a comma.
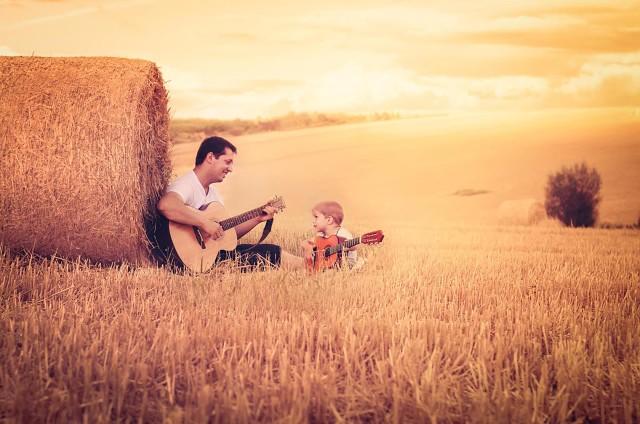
[(239, 219), (340, 247)]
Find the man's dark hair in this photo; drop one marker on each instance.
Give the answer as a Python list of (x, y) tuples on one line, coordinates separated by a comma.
[(215, 145)]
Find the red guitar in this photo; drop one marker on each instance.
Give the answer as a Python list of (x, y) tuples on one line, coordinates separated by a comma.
[(327, 250)]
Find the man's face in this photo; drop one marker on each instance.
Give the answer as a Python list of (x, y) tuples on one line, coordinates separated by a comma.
[(221, 166)]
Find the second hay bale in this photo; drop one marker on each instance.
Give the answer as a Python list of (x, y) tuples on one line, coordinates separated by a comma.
[(521, 212)]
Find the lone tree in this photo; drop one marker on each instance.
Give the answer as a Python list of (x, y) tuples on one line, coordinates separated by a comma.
[(572, 195)]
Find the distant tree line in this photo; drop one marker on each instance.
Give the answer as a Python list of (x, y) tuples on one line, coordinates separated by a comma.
[(189, 130)]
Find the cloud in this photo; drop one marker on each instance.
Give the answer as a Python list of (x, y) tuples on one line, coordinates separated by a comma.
[(579, 38), (211, 104), (185, 80), (487, 61), (463, 93), (594, 28), (603, 67), (177, 79), (256, 86), (430, 61), (387, 19), (606, 80), (80, 11), (51, 18), (239, 36), (526, 23), (353, 86), (6, 51), (442, 93), (590, 12), (273, 59), (508, 87), (356, 89)]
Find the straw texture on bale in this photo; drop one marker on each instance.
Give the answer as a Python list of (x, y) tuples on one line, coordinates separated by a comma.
[(84, 155)]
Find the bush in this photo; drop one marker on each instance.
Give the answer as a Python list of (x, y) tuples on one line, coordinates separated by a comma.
[(572, 196)]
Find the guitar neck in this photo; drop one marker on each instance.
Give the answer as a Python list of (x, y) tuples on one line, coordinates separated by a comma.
[(239, 219), (340, 247)]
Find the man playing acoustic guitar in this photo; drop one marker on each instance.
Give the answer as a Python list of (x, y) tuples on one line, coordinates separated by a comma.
[(185, 197)]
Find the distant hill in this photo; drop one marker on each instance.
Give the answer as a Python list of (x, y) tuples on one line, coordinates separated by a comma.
[(191, 130)]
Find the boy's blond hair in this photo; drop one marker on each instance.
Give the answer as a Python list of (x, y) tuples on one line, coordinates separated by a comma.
[(332, 209)]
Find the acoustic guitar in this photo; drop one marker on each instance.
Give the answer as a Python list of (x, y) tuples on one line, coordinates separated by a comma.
[(198, 251), (327, 250)]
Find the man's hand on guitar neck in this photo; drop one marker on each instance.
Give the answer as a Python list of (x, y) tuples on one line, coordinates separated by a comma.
[(215, 231), (267, 213)]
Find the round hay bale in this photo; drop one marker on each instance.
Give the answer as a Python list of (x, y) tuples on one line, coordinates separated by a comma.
[(521, 212), (84, 155)]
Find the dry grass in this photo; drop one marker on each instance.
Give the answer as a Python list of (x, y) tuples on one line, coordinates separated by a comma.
[(83, 153), (484, 324)]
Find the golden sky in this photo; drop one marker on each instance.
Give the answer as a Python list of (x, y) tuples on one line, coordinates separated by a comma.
[(227, 59)]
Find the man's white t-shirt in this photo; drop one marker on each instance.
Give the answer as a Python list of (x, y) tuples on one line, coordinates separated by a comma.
[(192, 192)]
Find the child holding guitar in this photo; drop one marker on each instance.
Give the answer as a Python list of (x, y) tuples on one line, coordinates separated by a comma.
[(333, 245)]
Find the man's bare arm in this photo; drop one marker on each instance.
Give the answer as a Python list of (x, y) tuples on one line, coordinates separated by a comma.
[(173, 208), (247, 226)]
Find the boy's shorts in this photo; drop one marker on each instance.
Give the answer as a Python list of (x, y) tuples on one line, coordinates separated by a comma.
[(261, 257)]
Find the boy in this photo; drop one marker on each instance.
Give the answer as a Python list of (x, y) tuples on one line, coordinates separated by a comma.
[(327, 221)]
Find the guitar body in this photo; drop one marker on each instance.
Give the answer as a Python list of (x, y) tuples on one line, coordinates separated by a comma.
[(197, 253), (318, 261), (326, 252)]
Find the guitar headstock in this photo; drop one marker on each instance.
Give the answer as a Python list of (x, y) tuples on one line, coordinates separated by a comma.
[(372, 237), (277, 203)]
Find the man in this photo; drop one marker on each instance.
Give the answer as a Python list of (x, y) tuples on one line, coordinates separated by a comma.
[(185, 196)]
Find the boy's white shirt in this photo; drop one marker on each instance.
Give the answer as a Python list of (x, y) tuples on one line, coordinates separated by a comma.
[(190, 189)]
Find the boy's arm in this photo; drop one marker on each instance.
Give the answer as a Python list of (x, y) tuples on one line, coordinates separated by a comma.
[(307, 247)]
